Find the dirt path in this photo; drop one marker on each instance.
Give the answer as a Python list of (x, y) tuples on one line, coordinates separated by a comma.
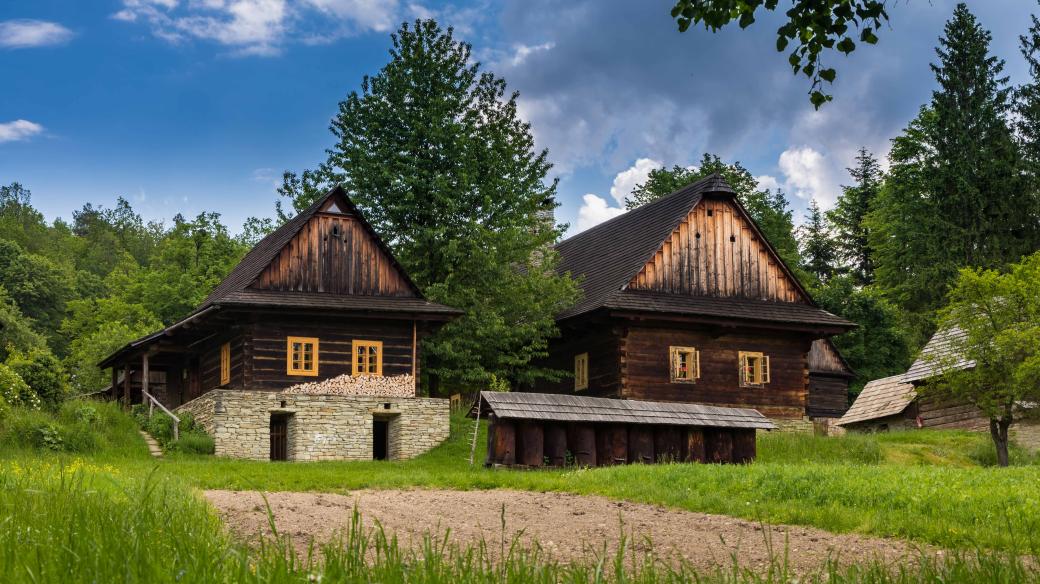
[(566, 526)]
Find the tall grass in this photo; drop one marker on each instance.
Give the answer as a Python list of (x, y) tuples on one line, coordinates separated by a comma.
[(76, 521), (78, 426)]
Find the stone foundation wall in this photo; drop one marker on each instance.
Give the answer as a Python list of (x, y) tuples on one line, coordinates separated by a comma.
[(802, 425), (320, 427), (1026, 433)]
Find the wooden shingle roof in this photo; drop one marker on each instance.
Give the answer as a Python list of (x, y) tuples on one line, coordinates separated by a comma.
[(879, 399), (940, 352), (606, 257), (575, 408)]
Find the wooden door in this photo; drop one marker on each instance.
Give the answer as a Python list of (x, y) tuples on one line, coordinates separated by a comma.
[(279, 437)]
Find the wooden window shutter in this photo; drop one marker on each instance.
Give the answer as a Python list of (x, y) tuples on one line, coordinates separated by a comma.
[(225, 364), (765, 369), (697, 360)]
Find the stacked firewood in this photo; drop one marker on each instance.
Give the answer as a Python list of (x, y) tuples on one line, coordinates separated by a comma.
[(393, 386)]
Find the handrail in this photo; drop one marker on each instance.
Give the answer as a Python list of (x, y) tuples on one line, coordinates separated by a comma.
[(151, 406)]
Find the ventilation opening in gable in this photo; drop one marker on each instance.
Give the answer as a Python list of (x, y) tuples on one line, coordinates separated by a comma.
[(333, 208)]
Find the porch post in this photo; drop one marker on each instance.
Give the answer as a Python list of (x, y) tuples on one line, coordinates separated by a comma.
[(144, 382), (126, 385)]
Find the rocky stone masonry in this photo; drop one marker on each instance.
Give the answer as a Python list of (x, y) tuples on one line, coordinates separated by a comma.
[(801, 425), (390, 386), (320, 427)]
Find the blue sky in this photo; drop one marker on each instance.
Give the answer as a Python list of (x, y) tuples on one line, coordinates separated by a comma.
[(190, 105)]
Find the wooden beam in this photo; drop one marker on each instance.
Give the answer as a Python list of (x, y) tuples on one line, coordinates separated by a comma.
[(144, 378), (415, 359), (126, 385)]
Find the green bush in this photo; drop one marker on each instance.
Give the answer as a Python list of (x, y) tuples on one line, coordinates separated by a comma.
[(44, 373), (79, 427), (193, 437), (15, 391)]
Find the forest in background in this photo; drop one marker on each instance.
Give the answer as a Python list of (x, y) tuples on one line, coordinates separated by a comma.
[(458, 194)]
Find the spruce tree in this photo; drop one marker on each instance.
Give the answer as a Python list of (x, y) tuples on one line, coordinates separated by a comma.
[(1028, 109), (847, 218), (954, 196), (818, 252), (434, 153)]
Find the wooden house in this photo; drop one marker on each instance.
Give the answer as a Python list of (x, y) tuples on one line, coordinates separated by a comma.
[(540, 429), (317, 323), (686, 301), (893, 403)]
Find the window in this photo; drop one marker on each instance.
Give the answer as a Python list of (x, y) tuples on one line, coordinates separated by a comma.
[(686, 364), (581, 372), (225, 364), (368, 358), (302, 356), (754, 369)]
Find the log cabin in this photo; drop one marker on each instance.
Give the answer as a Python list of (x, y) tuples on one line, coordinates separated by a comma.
[(307, 350), (685, 300), (894, 403)]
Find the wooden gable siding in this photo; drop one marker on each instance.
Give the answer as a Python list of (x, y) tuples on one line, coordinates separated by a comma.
[(267, 349), (824, 358), (646, 369), (316, 260), (720, 255)]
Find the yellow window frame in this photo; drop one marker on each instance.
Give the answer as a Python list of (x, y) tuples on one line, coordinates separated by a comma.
[(300, 360), (581, 371), (754, 369), (225, 364), (361, 364), (685, 364)]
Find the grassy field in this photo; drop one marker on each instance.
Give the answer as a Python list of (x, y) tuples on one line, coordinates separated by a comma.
[(66, 506)]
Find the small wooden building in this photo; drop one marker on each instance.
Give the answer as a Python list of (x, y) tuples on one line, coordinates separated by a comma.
[(537, 429), (893, 402), (829, 376), (307, 350), (686, 301)]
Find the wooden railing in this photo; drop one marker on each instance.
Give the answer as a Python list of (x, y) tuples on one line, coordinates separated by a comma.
[(152, 403)]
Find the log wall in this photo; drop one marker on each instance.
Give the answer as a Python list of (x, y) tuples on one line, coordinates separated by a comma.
[(267, 347), (600, 341), (535, 444), (646, 371), (717, 254), (828, 396)]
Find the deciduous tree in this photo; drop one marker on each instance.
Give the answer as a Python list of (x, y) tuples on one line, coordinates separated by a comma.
[(999, 316)]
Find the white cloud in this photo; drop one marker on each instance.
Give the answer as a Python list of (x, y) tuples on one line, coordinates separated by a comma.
[(594, 211), (627, 180), (19, 130), (807, 174), (22, 34), (377, 15), (259, 27), (521, 52), (765, 182)]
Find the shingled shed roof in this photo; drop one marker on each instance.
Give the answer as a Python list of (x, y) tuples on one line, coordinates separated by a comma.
[(879, 399), (574, 408), (607, 256), (938, 353)]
